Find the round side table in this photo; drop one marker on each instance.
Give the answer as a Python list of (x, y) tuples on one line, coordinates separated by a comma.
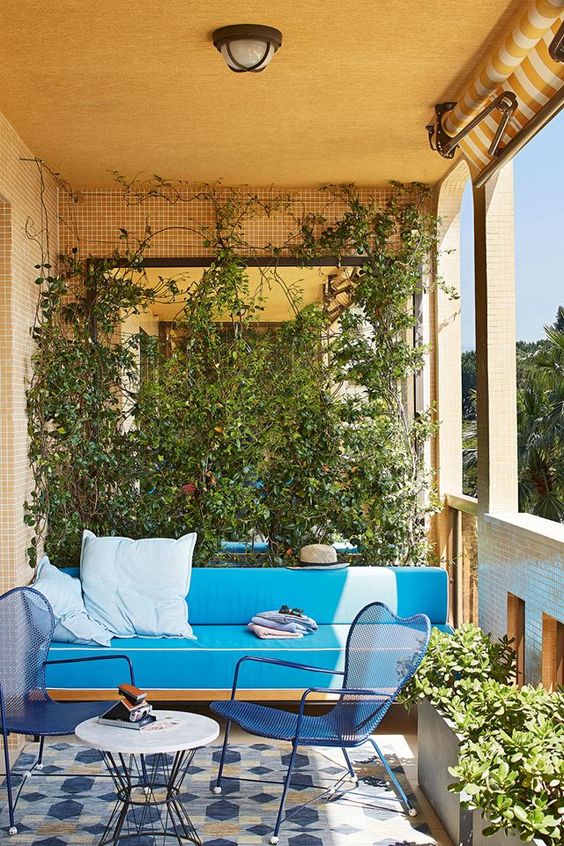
[(148, 768)]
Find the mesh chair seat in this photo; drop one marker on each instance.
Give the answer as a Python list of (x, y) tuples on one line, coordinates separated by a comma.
[(338, 728), (47, 718)]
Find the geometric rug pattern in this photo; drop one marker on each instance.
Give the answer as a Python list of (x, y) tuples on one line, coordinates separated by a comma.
[(69, 803)]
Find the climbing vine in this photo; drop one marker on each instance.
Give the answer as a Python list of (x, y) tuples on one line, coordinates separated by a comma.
[(297, 435)]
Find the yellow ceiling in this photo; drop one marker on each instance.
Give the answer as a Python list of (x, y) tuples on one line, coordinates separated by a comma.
[(306, 282), (139, 87)]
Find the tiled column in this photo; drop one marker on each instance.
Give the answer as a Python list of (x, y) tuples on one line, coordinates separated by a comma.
[(22, 217), (21, 214), (495, 343), (496, 389), (6, 420), (446, 342)]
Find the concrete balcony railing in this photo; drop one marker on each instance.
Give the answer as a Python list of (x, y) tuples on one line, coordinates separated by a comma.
[(462, 558)]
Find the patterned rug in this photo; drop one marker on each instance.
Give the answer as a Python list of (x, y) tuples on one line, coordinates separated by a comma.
[(69, 806)]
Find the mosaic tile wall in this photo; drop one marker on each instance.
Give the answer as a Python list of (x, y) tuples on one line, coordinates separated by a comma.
[(93, 219), (20, 208), (96, 217), (527, 564)]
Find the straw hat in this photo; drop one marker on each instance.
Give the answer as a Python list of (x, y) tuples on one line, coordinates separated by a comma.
[(318, 556), (318, 553)]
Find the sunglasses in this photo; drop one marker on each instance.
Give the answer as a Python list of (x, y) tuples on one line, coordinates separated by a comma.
[(297, 612)]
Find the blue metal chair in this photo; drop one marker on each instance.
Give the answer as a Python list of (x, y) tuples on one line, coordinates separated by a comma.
[(26, 629), (382, 653)]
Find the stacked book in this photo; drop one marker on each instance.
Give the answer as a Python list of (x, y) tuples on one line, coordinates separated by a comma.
[(132, 711)]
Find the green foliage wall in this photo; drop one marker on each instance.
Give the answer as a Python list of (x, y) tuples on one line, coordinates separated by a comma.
[(238, 430)]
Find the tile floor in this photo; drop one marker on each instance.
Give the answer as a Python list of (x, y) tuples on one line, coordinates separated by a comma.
[(398, 734)]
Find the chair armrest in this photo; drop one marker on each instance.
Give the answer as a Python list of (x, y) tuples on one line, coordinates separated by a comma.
[(96, 658), (279, 663), (354, 691)]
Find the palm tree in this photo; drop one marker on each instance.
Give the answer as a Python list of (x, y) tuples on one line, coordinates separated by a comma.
[(540, 422), (540, 427), (559, 322)]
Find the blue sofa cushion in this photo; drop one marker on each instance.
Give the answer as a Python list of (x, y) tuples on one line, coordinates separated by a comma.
[(207, 663)]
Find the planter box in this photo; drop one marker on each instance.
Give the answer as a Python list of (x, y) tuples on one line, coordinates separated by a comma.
[(438, 745), (499, 838)]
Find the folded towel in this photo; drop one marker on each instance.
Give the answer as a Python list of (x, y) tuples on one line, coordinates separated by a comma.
[(292, 626), (270, 634), (277, 617)]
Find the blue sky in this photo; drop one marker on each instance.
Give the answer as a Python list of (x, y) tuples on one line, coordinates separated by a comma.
[(539, 236)]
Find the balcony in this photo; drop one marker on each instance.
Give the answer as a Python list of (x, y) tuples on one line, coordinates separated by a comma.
[(235, 241)]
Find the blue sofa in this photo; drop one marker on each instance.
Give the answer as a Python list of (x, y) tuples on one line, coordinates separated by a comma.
[(222, 601)]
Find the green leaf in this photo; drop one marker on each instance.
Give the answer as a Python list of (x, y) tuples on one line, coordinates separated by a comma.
[(520, 813)]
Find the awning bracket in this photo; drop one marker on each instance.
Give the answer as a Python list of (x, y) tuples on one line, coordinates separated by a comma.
[(446, 145)]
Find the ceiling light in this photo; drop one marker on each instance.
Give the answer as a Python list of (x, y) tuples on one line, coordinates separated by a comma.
[(247, 48)]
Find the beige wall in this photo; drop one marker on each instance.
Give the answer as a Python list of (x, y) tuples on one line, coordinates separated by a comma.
[(146, 321), (20, 206)]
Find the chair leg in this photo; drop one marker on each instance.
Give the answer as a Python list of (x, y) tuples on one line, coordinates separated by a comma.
[(39, 763), (217, 786), (274, 838), (350, 767), (392, 776), (12, 829)]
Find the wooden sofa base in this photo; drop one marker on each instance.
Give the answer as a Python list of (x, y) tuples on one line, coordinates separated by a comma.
[(284, 695)]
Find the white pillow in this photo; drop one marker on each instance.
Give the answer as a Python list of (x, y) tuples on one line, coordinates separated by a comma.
[(72, 623), (138, 587)]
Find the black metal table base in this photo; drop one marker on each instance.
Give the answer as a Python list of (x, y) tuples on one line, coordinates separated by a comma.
[(149, 803)]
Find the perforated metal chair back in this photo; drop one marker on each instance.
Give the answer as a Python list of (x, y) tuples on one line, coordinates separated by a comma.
[(382, 653), (27, 624), (26, 630)]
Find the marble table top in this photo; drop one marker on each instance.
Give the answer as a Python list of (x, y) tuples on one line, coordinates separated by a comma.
[(189, 731)]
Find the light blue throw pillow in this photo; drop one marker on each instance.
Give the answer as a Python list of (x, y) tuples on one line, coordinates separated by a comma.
[(72, 623), (138, 587)]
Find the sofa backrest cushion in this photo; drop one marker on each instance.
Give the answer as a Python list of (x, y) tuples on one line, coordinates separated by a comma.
[(138, 587), (232, 595)]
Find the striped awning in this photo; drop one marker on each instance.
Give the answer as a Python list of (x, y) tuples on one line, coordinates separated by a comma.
[(520, 64)]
